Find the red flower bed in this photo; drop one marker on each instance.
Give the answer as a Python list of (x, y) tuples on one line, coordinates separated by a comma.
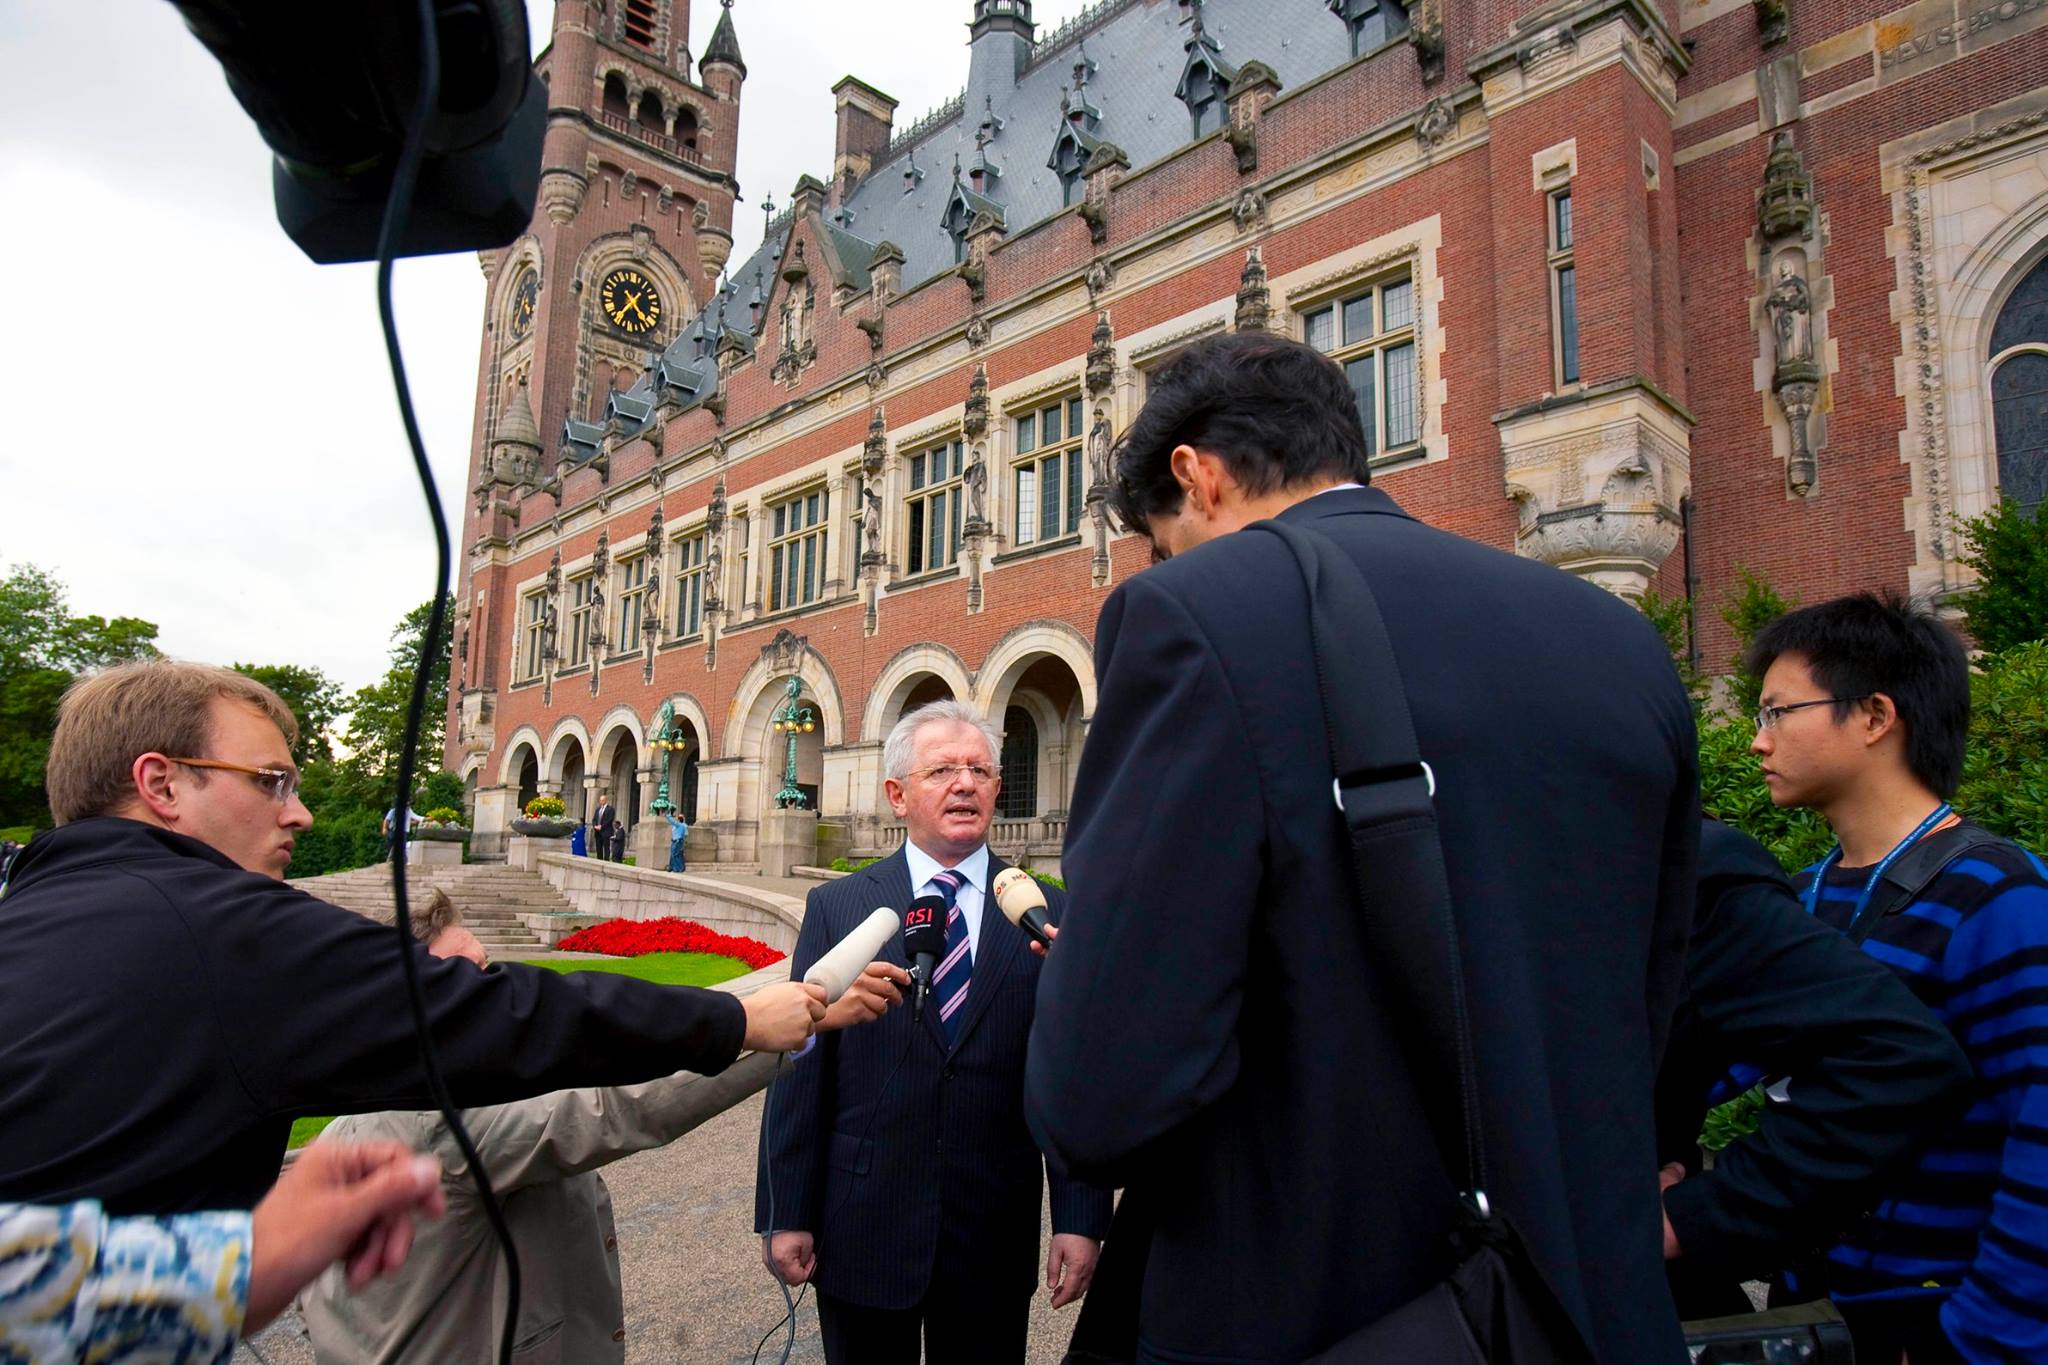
[(632, 937)]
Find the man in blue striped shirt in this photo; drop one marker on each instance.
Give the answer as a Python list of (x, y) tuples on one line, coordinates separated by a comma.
[(1865, 708)]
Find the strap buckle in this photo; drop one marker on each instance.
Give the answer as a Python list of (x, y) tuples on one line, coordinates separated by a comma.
[(1385, 775)]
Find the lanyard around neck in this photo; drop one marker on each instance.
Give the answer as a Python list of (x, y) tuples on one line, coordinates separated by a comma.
[(1939, 814)]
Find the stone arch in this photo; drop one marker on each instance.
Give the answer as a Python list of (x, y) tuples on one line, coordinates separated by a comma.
[(569, 732), (2016, 375), (760, 692), (508, 767), (1019, 650), (615, 91), (620, 718), (1975, 297), (893, 685), (522, 255), (689, 126)]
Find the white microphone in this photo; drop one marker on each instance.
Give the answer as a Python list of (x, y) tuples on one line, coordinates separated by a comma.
[(1022, 901), (850, 956)]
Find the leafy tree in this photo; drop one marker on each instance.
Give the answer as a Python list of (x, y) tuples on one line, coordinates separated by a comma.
[(1755, 605), (2008, 548), (376, 723), (315, 701), (2005, 772), (43, 647)]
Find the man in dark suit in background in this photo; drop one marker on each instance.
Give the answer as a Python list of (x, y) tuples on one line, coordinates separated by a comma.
[(603, 825), (898, 1174), (1211, 1026)]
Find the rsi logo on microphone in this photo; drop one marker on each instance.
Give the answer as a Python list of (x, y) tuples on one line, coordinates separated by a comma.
[(919, 917)]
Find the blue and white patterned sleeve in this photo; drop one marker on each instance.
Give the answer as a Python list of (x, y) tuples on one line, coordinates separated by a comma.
[(76, 1285)]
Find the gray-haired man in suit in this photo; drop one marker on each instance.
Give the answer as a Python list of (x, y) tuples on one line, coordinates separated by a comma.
[(899, 1177)]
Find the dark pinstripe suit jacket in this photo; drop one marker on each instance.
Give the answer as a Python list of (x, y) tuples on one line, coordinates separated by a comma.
[(887, 1147)]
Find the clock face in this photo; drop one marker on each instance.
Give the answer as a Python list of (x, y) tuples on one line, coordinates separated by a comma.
[(523, 300), (630, 301)]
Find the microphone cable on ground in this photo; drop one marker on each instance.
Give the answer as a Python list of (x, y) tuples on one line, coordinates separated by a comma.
[(397, 207)]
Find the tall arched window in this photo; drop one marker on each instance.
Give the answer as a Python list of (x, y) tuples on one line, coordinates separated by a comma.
[(650, 113), (1019, 800), (2019, 390), (615, 95), (686, 129)]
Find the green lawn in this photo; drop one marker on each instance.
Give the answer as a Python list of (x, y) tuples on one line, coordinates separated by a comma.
[(663, 969)]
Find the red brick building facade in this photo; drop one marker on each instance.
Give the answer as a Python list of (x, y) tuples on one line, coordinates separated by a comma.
[(1623, 286)]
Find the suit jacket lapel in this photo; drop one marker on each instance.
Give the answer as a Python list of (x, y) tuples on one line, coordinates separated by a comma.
[(1000, 942)]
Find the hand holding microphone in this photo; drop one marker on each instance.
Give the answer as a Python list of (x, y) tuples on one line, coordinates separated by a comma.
[(924, 939), (1022, 901), (858, 988)]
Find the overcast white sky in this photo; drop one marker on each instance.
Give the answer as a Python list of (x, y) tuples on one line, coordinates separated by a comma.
[(203, 429)]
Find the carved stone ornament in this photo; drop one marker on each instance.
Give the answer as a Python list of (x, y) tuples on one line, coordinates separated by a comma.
[(974, 421), (1772, 21), (870, 524), (1786, 206), (976, 275), (874, 451), (629, 184), (1254, 299), (1101, 369), (1243, 138), (1100, 275), (1249, 211), (877, 376), (1096, 216), (872, 327), (1437, 123), (976, 480), (977, 331), (1790, 306), (561, 193), (1426, 34), (785, 651)]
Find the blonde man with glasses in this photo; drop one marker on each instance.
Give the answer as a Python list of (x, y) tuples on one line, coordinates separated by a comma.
[(168, 1005), (899, 1178)]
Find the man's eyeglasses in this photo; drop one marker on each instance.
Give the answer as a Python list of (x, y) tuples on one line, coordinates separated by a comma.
[(943, 774), (280, 784), (1767, 717)]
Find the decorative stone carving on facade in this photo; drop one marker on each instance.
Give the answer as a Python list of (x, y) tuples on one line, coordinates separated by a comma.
[(1785, 218), (650, 599), (1629, 445), (1785, 208), (1099, 276), (1101, 366), (1426, 35), (1249, 211), (561, 193), (1436, 123), (1100, 378), (715, 521), (974, 531), (977, 332), (550, 628), (974, 420), (1772, 21), (1254, 298), (600, 565), (786, 651)]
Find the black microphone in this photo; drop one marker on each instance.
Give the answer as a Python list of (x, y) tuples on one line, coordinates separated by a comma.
[(924, 939)]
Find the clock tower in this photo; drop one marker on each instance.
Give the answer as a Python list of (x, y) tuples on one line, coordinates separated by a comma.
[(631, 229)]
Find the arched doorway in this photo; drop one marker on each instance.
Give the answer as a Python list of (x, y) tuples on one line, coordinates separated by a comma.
[(810, 756), (619, 773), (683, 768), (1019, 797), (528, 770), (568, 761)]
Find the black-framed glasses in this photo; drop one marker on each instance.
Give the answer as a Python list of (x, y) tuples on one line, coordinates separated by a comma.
[(1767, 716), (279, 784), (942, 774)]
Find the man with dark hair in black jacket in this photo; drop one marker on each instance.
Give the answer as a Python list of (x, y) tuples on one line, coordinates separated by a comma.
[(168, 1006)]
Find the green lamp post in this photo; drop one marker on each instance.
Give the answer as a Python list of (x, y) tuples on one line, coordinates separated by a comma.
[(664, 743), (792, 720)]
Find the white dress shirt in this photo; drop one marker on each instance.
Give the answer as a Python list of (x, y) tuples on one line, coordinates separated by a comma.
[(974, 867)]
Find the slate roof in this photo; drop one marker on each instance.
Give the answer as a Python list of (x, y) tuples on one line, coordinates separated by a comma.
[(1137, 52)]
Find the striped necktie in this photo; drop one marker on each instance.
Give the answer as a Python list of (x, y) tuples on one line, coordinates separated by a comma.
[(949, 983)]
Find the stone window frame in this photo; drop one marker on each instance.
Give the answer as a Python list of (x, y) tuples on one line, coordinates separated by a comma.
[(1417, 246), (579, 617), (778, 582), (1565, 338), (532, 634), (1070, 448), (688, 575), (919, 497), (629, 593), (1379, 343)]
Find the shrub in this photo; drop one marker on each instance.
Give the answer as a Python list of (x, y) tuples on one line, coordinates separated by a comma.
[(632, 938), (444, 815), (1047, 878), (2005, 771), (850, 865), (2009, 550), (546, 808)]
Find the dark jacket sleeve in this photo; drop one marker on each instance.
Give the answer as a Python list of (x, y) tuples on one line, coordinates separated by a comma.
[(798, 1111), (1078, 1207), (1873, 1075), (312, 1001), (1136, 1024)]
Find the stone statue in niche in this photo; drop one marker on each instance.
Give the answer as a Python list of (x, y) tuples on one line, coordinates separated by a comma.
[(976, 479), (871, 521), (1098, 450), (1791, 309)]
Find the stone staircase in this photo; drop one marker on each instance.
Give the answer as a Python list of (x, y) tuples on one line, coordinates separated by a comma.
[(495, 900)]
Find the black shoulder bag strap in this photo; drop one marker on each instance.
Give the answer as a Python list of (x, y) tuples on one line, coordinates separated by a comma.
[(1385, 794), (1905, 879)]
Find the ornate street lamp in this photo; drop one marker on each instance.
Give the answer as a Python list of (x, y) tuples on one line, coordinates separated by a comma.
[(793, 720), (665, 742)]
